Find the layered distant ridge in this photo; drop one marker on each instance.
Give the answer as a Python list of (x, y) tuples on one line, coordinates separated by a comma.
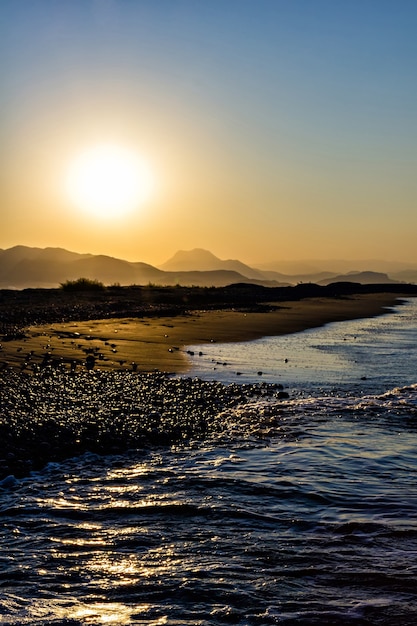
[(23, 266)]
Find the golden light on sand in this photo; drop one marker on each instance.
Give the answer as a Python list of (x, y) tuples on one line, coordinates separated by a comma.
[(107, 181)]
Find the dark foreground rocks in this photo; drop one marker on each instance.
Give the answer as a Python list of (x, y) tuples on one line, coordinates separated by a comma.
[(55, 414)]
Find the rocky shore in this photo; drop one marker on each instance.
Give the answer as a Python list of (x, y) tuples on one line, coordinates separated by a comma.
[(54, 414), (50, 410)]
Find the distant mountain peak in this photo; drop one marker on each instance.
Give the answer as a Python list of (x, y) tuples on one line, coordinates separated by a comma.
[(195, 259), (201, 260), (192, 256)]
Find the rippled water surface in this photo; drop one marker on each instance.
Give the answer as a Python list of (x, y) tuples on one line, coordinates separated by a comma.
[(383, 349), (311, 520)]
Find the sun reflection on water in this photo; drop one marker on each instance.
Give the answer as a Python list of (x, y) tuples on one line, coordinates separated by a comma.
[(105, 613)]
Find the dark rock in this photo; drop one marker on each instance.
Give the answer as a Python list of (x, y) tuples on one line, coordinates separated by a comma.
[(283, 395)]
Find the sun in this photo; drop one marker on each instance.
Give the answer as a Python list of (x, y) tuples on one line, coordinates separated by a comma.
[(107, 181)]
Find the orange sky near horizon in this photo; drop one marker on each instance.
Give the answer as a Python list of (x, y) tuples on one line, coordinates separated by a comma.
[(277, 133)]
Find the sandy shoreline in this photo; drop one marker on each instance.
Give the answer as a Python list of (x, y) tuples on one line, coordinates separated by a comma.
[(160, 343)]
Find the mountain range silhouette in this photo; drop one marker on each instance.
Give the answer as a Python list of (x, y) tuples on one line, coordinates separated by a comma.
[(24, 267)]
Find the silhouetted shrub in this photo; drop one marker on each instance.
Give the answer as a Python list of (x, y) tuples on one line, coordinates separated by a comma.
[(82, 284)]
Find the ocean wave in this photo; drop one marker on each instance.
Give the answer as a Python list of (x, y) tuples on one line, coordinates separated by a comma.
[(402, 399)]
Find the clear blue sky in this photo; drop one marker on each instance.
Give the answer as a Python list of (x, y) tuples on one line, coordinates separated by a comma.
[(276, 129)]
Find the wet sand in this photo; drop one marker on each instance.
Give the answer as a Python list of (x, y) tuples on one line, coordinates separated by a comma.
[(160, 343)]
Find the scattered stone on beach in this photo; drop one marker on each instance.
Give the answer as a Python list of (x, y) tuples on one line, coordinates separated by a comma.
[(69, 324), (90, 362), (283, 395)]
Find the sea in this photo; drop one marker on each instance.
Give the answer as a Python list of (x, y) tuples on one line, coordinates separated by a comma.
[(313, 521)]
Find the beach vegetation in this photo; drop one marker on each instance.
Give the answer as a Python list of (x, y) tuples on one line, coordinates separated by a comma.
[(152, 285), (82, 284)]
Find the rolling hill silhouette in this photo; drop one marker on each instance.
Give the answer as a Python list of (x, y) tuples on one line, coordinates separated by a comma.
[(365, 278), (23, 267)]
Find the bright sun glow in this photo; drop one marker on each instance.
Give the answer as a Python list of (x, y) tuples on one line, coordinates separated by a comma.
[(107, 181)]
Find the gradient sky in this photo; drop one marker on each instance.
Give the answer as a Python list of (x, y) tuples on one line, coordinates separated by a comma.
[(276, 129)]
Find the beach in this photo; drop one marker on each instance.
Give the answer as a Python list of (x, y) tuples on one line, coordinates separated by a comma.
[(159, 342), (109, 385), (132, 496)]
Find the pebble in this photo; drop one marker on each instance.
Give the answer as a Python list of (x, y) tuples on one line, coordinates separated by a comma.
[(53, 414)]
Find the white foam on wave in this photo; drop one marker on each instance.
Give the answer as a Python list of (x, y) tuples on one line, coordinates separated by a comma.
[(265, 411), (397, 398)]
